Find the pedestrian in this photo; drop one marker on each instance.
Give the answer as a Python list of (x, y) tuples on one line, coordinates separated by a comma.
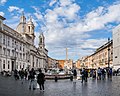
[(103, 73), (32, 79), (99, 73), (26, 74), (86, 75), (110, 73), (94, 74), (41, 79), (83, 75), (16, 76), (74, 75), (56, 78), (22, 74)]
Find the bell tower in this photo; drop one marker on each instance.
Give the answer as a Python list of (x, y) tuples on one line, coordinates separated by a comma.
[(21, 26), (22, 18), (41, 41), (30, 29)]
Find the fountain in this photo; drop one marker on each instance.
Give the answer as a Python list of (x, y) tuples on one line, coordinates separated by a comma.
[(54, 72)]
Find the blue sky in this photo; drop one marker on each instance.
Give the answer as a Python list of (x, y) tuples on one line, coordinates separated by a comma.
[(80, 25)]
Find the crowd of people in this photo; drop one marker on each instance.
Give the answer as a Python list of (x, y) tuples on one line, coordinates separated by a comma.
[(32, 77), (38, 77), (99, 74)]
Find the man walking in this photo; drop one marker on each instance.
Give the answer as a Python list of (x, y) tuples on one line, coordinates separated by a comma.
[(41, 79)]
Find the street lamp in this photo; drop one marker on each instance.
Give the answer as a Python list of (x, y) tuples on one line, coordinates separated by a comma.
[(108, 53)]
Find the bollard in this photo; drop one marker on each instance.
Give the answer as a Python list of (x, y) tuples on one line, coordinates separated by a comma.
[(56, 79)]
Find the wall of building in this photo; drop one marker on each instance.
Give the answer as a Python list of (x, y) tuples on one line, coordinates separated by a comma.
[(16, 52), (99, 58), (116, 47)]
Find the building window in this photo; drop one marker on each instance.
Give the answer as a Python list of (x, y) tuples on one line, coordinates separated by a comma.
[(36, 62), (20, 47), (12, 43), (8, 52), (3, 39), (16, 45), (12, 52), (8, 64), (28, 28), (40, 40), (23, 56), (4, 51), (8, 43), (23, 65), (3, 64), (20, 55), (20, 65), (33, 64), (23, 50)]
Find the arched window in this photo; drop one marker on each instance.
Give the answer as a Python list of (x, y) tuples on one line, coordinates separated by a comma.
[(28, 28), (40, 40)]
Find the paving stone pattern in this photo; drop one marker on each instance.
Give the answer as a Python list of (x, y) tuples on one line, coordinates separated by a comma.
[(10, 87)]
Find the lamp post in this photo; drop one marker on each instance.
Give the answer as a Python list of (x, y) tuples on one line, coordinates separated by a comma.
[(108, 53)]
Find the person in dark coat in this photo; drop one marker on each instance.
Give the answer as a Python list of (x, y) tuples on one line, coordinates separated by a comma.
[(22, 74), (86, 75), (32, 79), (26, 74), (41, 79), (16, 74), (74, 75), (83, 75)]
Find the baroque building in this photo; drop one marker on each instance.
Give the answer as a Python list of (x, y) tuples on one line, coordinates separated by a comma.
[(52, 63), (17, 49), (102, 57)]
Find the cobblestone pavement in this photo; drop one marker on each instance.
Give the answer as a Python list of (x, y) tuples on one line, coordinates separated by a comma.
[(10, 87)]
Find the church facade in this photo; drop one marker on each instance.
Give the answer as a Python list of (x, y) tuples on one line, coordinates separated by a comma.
[(17, 49)]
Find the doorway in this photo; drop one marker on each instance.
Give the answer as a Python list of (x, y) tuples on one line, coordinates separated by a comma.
[(12, 66)]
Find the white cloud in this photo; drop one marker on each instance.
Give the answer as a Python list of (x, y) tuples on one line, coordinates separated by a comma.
[(37, 34), (14, 8), (65, 2), (12, 22), (63, 26), (93, 43), (2, 13), (52, 2), (97, 19), (60, 32), (2, 2), (39, 16)]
